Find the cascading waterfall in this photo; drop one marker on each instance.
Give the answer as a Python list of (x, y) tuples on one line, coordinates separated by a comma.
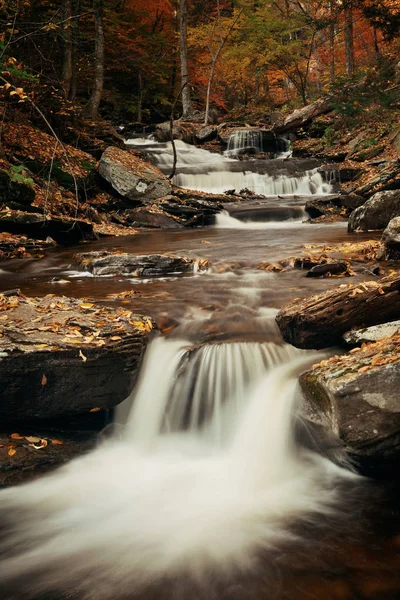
[(256, 141), (160, 502), (199, 169)]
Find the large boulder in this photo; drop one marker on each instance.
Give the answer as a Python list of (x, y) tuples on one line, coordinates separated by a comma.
[(391, 240), (376, 212), (132, 177), (357, 396), (61, 356), (150, 265)]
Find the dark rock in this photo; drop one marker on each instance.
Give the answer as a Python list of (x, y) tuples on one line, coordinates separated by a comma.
[(64, 230), (391, 240), (322, 206), (150, 265), (349, 174), (181, 130), (367, 154), (356, 337), (307, 263), (133, 178), (357, 397), (14, 191), (72, 356), (351, 201), (147, 216), (377, 212), (320, 321), (327, 269)]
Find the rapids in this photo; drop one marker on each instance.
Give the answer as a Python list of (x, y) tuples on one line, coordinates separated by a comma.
[(210, 485)]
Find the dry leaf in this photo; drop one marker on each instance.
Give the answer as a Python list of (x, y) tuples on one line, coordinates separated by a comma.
[(32, 438), (95, 409), (86, 305), (16, 436), (44, 379), (12, 451), (83, 357), (57, 442)]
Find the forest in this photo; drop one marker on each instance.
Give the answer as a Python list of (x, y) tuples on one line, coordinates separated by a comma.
[(132, 60)]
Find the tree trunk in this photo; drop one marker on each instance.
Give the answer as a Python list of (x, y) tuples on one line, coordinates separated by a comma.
[(76, 6), (320, 321), (332, 74), (349, 38), (98, 82), (210, 80), (186, 101), (67, 48), (140, 98)]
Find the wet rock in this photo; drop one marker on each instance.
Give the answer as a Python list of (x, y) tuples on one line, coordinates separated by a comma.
[(371, 334), (356, 395), (147, 216), (391, 240), (64, 230), (323, 206), (132, 177), (150, 265), (61, 356), (320, 321), (351, 201), (181, 130), (328, 269), (377, 212)]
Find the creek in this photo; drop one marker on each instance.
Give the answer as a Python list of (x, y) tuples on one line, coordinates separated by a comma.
[(210, 485)]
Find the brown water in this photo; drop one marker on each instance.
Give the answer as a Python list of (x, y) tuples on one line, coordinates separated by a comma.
[(351, 556)]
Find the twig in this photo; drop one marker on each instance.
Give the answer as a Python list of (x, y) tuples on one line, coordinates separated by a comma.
[(171, 131)]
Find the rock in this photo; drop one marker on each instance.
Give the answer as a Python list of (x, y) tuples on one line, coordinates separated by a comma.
[(320, 321), (322, 206), (391, 240), (351, 201), (368, 154), (12, 190), (387, 179), (64, 230), (61, 356), (394, 139), (132, 177), (150, 265), (328, 269), (376, 212), (207, 133), (356, 396), (149, 216), (303, 116), (181, 130), (347, 174), (371, 334)]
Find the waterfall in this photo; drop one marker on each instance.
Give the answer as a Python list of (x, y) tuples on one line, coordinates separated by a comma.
[(156, 504), (255, 141)]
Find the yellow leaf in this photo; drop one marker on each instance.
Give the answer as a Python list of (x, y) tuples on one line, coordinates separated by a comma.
[(16, 436), (11, 452), (83, 357), (41, 346), (86, 305), (115, 338), (32, 438)]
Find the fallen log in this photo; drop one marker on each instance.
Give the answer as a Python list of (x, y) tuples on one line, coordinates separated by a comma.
[(320, 321)]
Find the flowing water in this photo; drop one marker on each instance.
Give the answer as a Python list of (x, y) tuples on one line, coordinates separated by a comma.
[(210, 485)]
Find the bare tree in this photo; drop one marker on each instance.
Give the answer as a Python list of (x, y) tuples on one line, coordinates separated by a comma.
[(98, 81), (186, 101), (349, 37)]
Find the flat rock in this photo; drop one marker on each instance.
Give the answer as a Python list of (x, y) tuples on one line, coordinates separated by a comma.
[(377, 212), (371, 334), (61, 356), (323, 206), (328, 269), (148, 265), (357, 396), (132, 177), (148, 216), (64, 230)]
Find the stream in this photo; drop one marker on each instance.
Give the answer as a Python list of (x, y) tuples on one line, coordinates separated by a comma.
[(211, 485)]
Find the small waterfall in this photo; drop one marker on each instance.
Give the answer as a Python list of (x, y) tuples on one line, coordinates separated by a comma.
[(224, 220), (155, 506), (255, 141)]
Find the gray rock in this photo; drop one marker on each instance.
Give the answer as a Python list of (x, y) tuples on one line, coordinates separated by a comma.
[(361, 408), (150, 265), (377, 212), (371, 334), (132, 177), (391, 240), (145, 216), (206, 133)]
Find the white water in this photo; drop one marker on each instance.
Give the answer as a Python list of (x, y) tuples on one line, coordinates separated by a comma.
[(155, 505), (224, 220), (199, 169)]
